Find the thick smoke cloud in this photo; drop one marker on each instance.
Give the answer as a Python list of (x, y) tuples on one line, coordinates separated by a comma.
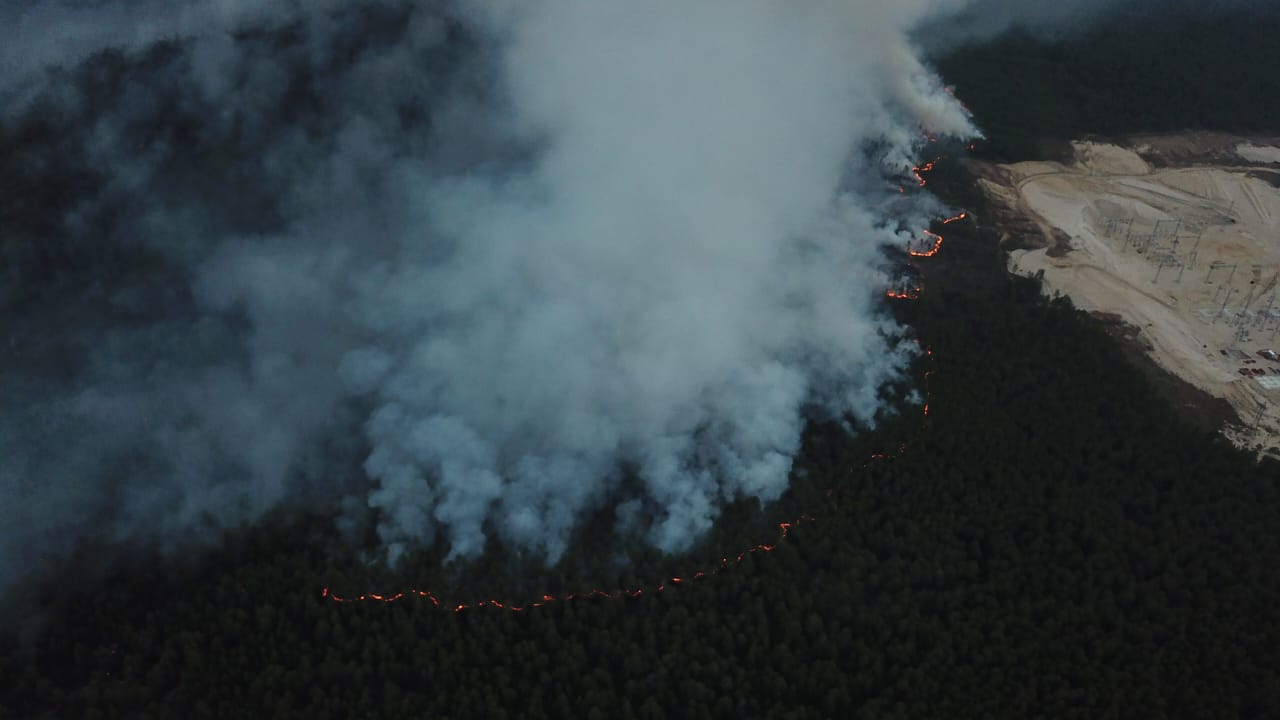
[(65, 32), (480, 269)]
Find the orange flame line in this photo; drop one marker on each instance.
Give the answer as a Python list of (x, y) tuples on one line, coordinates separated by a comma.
[(937, 239), (920, 170), (725, 563), (937, 245), (783, 527)]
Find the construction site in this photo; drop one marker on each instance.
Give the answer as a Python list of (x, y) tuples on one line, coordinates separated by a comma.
[(1177, 236)]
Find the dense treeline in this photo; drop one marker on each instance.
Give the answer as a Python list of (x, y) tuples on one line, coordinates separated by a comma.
[(1161, 73), (1052, 543)]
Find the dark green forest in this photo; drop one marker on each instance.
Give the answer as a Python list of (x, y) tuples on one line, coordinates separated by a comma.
[(1128, 74), (1051, 540)]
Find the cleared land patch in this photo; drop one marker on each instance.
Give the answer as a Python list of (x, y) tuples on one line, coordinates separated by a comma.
[(1186, 252)]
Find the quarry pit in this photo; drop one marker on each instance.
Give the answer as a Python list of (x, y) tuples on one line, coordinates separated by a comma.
[(1177, 238)]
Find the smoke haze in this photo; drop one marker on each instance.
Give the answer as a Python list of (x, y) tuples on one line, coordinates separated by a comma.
[(478, 269)]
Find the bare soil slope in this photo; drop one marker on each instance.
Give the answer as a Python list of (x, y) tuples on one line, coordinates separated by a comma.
[(1180, 244)]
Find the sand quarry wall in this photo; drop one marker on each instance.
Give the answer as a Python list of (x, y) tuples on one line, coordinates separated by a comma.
[(1182, 244)]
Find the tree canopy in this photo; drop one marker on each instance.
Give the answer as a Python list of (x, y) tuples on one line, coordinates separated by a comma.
[(1051, 541)]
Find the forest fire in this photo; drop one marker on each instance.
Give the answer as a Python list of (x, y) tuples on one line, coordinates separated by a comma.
[(920, 170), (727, 562), (936, 238), (784, 528), (933, 250), (948, 89)]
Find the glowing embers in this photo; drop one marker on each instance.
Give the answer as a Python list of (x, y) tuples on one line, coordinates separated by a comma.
[(784, 530), (928, 374), (935, 239), (908, 285), (910, 292), (950, 90), (423, 594), (725, 562), (933, 250), (920, 170)]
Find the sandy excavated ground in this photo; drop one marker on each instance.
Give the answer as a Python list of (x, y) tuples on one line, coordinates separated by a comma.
[(1180, 237)]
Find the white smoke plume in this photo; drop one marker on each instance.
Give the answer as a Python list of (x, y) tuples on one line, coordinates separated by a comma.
[(482, 268)]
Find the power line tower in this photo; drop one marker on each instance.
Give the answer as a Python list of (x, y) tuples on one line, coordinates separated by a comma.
[(1155, 231), (1208, 276), (1142, 243), (1195, 250), (1160, 268), (1243, 316), (1225, 298), (1114, 225), (1176, 222), (1265, 314), (1169, 259)]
